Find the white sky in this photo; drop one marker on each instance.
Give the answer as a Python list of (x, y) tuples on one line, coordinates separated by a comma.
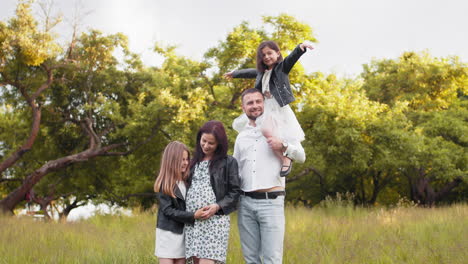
[(350, 32)]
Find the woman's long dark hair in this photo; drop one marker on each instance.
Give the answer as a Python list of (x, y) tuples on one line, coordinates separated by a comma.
[(215, 128), (261, 67)]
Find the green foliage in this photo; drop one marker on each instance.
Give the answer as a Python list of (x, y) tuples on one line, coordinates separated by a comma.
[(426, 83), (355, 144)]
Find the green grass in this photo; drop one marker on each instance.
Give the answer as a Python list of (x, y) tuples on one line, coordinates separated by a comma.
[(333, 234)]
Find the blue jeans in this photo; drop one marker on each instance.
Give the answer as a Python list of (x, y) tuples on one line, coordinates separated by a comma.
[(261, 228)]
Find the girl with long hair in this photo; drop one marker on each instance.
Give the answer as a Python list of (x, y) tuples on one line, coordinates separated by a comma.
[(170, 186)]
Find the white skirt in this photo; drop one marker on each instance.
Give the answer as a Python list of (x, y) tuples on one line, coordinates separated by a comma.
[(284, 122), (169, 245)]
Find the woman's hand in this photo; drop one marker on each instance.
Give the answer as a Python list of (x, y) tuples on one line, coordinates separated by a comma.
[(209, 211), (199, 213), (228, 75), (306, 44)]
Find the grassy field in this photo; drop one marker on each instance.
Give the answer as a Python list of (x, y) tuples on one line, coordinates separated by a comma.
[(335, 234)]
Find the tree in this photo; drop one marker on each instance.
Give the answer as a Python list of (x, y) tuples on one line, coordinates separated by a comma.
[(351, 142), (437, 163), (435, 92), (26, 72)]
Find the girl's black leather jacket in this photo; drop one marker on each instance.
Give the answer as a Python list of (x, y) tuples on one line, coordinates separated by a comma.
[(280, 87), (171, 214), (225, 183)]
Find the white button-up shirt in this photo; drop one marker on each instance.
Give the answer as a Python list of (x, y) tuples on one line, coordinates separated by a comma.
[(259, 167)]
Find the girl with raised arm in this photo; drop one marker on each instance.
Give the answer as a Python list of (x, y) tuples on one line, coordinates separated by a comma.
[(272, 80)]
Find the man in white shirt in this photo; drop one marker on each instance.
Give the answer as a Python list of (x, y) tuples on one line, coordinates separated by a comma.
[(261, 207)]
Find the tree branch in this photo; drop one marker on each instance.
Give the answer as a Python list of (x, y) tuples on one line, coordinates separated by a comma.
[(9, 180), (448, 187), (143, 194), (303, 173), (44, 86)]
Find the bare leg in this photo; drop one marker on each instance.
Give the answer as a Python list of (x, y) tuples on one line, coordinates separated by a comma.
[(179, 261), (286, 166), (171, 261), (286, 161)]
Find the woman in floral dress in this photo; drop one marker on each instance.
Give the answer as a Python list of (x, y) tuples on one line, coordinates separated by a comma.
[(214, 187)]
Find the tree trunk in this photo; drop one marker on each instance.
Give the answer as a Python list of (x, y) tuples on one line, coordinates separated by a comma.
[(442, 193), (66, 211), (376, 189), (363, 190), (305, 172), (36, 118), (13, 158), (44, 203), (424, 193)]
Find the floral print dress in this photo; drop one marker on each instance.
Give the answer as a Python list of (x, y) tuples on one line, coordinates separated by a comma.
[(205, 238)]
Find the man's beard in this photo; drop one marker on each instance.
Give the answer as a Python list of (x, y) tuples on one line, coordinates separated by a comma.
[(253, 118)]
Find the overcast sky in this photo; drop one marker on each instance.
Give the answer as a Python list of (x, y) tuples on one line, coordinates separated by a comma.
[(350, 32)]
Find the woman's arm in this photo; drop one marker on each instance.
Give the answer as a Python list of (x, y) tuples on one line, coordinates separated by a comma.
[(168, 209), (229, 203)]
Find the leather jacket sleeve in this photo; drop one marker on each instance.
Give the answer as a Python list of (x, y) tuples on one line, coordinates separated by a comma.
[(228, 203), (170, 211), (291, 59), (250, 73)]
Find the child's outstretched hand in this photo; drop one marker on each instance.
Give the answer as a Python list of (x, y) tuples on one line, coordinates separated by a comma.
[(228, 75), (306, 44)]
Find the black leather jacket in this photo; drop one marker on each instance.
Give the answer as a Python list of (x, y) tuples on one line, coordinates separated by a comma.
[(280, 87), (225, 184), (171, 214)]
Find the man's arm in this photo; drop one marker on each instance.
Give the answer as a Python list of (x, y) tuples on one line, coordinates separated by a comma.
[(294, 150)]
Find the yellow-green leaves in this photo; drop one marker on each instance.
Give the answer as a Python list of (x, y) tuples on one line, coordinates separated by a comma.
[(288, 31), (22, 40), (427, 83)]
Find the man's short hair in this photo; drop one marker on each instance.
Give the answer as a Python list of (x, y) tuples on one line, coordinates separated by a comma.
[(249, 91)]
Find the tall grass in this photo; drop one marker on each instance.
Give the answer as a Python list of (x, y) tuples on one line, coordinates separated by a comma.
[(326, 234)]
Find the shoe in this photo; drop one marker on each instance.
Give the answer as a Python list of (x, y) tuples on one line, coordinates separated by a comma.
[(284, 173)]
